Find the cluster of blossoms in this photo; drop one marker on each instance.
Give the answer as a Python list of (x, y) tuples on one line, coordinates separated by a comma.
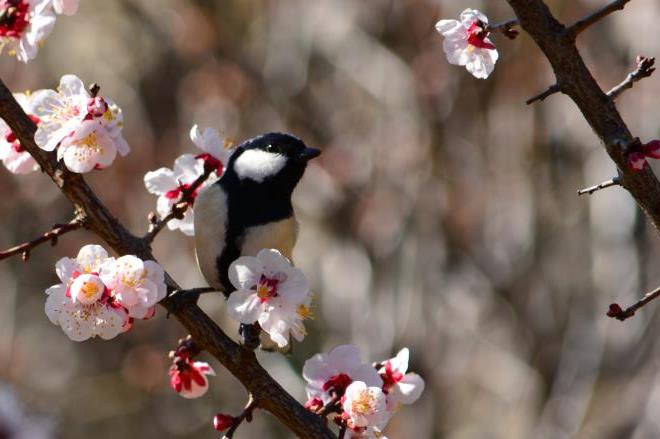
[(365, 396), (101, 296), (25, 24), (12, 154), (168, 184), (271, 292), (467, 44)]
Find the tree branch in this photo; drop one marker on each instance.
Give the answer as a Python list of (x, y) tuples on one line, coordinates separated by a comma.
[(52, 235), (586, 22), (604, 185), (616, 312), (94, 216), (644, 70), (246, 415), (541, 96), (505, 27)]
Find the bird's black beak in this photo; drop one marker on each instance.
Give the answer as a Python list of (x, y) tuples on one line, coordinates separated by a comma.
[(308, 154)]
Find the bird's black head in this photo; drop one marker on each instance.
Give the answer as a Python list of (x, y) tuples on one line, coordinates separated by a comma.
[(273, 159)]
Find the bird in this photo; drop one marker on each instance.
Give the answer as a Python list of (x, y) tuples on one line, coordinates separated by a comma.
[(249, 208)]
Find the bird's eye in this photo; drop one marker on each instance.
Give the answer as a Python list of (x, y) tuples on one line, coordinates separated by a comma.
[(272, 148)]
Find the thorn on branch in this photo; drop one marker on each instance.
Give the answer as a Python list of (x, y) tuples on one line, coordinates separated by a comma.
[(616, 312), (584, 23), (555, 88), (616, 181), (645, 68), (505, 28), (51, 236)]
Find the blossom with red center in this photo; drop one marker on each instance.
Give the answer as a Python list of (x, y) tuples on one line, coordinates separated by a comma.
[(168, 185), (399, 386), (270, 291), (329, 375), (222, 422), (467, 44), (12, 154), (188, 378), (637, 158), (24, 24), (215, 152)]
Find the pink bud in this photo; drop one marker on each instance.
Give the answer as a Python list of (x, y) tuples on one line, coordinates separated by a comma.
[(636, 161), (614, 310), (222, 422), (652, 149)]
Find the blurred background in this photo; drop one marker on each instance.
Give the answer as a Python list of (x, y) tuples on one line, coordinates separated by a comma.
[(441, 216)]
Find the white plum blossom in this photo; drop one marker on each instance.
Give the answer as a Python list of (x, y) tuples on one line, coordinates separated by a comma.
[(81, 305), (136, 285), (329, 375), (66, 7), (365, 406), (215, 154), (24, 24), (85, 129), (189, 379), (168, 184), (467, 44), (13, 156), (269, 290), (399, 386)]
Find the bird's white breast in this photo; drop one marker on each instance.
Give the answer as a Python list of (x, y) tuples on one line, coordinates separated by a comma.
[(210, 228)]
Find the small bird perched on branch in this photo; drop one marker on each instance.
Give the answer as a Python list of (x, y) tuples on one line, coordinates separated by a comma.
[(250, 208)]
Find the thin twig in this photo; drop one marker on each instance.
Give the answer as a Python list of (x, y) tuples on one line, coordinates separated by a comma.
[(616, 312), (178, 209), (246, 415), (644, 70), (51, 235), (330, 407), (505, 27), (582, 24), (555, 88), (616, 181)]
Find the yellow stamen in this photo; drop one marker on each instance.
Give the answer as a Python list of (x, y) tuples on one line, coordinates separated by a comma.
[(305, 312), (89, 289)]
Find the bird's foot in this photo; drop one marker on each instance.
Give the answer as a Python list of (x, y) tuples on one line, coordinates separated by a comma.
[(179, 298), (250, 334)]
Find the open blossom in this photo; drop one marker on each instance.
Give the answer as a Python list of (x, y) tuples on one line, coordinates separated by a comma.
[(188, 378), (136, 285), (85, 129), (637, 159), (269, 290), (13, 156), (24, 24), (215, 155), (467, 44), (399, 386), (81, 304), (169, 184), (365, 406), (330, 374), (66, 7)]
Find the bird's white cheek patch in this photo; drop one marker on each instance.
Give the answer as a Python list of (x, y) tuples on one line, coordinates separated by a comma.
[(258, 165)]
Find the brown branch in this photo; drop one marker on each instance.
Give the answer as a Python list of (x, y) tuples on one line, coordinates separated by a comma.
[(586, 22), (644, 70), (505, 27), (94, 216), (597, 108), (52, 235), (178, 209), (616, 312), (246, 415), (600, 186), (541, 96)]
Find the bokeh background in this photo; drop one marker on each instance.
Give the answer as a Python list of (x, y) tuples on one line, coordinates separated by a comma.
[(441, 216)]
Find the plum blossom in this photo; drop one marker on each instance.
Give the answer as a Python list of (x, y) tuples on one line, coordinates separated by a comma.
[(399, 386), (66, 7), (467, 44), (85, 129), (329, 375), (188, 378), (215, 152), (136, 285), (169, 184), (269, 290), (637, 158), (222, 422), (24, 24), (81, 305), (365, 406), (13, 156)]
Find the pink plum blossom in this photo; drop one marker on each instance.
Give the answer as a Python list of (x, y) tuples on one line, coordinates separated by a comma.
[(25, 25), (399, 386), (637, 159), (188, 378), (467, 44), (269, 290), (13, 156), (365, 406), (215, 155)]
